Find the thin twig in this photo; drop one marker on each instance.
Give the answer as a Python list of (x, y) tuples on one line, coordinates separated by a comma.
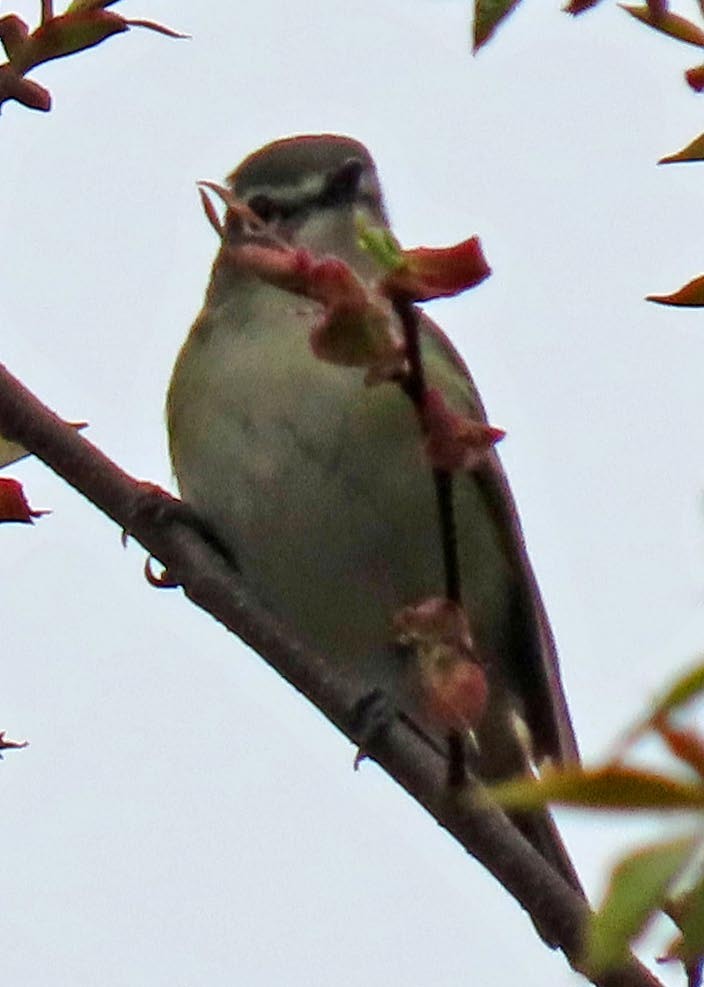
[(414, 385)]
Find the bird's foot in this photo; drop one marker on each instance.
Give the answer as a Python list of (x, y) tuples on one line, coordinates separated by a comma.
[(154, 506), (151, 505), (372, 718)]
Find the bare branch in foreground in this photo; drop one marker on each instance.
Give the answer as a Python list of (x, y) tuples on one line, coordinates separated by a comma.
[(153, 519)]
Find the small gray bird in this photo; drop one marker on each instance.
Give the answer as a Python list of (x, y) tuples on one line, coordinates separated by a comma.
[(319, 487)]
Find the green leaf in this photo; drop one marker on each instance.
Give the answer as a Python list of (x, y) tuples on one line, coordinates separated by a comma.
[(691, 923), (637, 889), (80, 5), (10, 452), (668, 23), (488, 14), (380, 242), (687, 687), (612, 787), (694, 151)]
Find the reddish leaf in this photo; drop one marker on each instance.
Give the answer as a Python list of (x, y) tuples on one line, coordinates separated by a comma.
[(428, 272), (211, 212), (668, 23), (334, 283), (354, 328), (85, 24), (690, 295), (13, 503), (11, 744), (74, 31), (453, 686), (488, 14), (84, 6), (424, 272), (579, 6), (695, 78), (433, 619), (692, 152), (30, 94), (685, 688), (454, 442), (13, 33), (237, 216), (282, 266), (686, 745), (153, 26), (67, 34), (33, 96), (455, 691)]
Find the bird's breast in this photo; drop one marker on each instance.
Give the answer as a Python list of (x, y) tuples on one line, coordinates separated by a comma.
[(319, 484)]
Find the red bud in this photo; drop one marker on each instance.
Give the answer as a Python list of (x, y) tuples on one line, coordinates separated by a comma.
[(13, 503), (453, 441)]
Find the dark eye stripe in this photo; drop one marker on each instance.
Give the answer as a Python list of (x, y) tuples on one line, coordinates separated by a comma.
[(263, 206), (341, 188), (343, 184)]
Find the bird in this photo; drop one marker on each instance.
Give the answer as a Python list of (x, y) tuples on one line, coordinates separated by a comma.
[(317, 484)]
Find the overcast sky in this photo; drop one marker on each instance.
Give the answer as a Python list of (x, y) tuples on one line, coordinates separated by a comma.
[(182, 817)]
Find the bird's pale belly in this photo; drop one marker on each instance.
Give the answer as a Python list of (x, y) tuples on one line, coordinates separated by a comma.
[(319, 486)]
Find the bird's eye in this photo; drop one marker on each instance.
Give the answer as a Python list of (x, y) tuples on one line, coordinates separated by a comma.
[(342, 184), (263, 206)]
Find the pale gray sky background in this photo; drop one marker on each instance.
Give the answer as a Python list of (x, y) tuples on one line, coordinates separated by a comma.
[(182, 817)]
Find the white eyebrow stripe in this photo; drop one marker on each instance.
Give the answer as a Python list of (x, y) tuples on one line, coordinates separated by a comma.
[(309, 190), (310, 187)]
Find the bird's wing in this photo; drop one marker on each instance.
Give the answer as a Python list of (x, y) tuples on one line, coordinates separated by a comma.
[(537, 670)]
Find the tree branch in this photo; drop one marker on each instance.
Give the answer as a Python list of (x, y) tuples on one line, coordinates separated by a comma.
[(192, 562)]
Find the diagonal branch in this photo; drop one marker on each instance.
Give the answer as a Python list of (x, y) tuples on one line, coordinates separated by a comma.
[(152, 518)]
